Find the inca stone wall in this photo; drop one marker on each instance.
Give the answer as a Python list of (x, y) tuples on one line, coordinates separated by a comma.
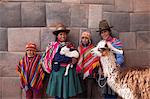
[(27, 20)]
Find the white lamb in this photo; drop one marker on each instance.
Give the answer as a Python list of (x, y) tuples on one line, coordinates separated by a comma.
[(66, 51)]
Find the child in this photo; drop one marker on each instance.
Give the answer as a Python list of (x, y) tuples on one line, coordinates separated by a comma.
[(30, 72), (88, 67)]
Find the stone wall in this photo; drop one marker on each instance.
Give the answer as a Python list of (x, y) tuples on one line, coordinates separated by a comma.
[(27, 20)]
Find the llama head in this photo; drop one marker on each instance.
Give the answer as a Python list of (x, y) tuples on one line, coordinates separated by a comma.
[(103, 47), (100, 49)]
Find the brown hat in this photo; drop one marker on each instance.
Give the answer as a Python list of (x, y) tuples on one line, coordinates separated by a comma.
[(103, 25), (60, 28)]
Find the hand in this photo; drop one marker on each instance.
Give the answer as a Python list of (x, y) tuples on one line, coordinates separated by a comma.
[(118, 65), (115, 50), (74, 60), (26, 88), (93, 52)]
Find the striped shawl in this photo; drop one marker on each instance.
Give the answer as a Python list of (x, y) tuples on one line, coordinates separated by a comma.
[(31, 73), (87, 62), (51, 50)]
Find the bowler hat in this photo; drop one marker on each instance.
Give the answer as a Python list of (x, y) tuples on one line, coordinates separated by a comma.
[(60, 28), (103, 25)]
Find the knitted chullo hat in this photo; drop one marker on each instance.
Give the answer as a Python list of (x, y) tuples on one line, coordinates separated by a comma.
[(31, 46), (87, 35)]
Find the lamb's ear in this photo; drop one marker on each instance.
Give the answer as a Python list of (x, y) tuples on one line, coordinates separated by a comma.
[(117, 51)]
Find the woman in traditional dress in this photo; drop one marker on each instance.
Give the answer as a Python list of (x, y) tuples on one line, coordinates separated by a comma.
[(106, 34), (54, 63)]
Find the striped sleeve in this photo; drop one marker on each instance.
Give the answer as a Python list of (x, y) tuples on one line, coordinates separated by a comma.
[(117, 44), (119, 57)]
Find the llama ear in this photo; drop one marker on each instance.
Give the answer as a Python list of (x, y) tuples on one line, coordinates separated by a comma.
[(106, 45)]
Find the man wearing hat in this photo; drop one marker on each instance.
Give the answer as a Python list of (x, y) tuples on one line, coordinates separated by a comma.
[(31, 73), (87, 66), (106, 34), (54, 63)]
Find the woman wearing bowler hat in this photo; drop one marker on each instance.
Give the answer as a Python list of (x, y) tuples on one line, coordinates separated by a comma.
[(106, 34), (54, 63)]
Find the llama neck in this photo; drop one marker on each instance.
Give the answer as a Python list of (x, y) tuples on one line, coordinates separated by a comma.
[(109, 66), (109, 69)]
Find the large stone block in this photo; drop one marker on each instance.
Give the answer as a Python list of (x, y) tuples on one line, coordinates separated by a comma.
[(50, 0), (143, 40), (108, 8), (21, 0), (1, 87), (71, 1), (10, 14), (57, 13), (128, 39), (19, 37), (95, 15), (124, 5), (137, 58), (46, 37), (141, 5), (90, 1), (33, 14), (73, 36), (11, 88), (56, 0), (120, 21), (79, 15), (3, 39), (149, 57), (8, 63), (97, 1), (1, 70), (108, 2), (140, 21)]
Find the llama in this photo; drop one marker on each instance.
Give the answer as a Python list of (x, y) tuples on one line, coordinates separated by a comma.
[(66, 51), (131, 83)]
